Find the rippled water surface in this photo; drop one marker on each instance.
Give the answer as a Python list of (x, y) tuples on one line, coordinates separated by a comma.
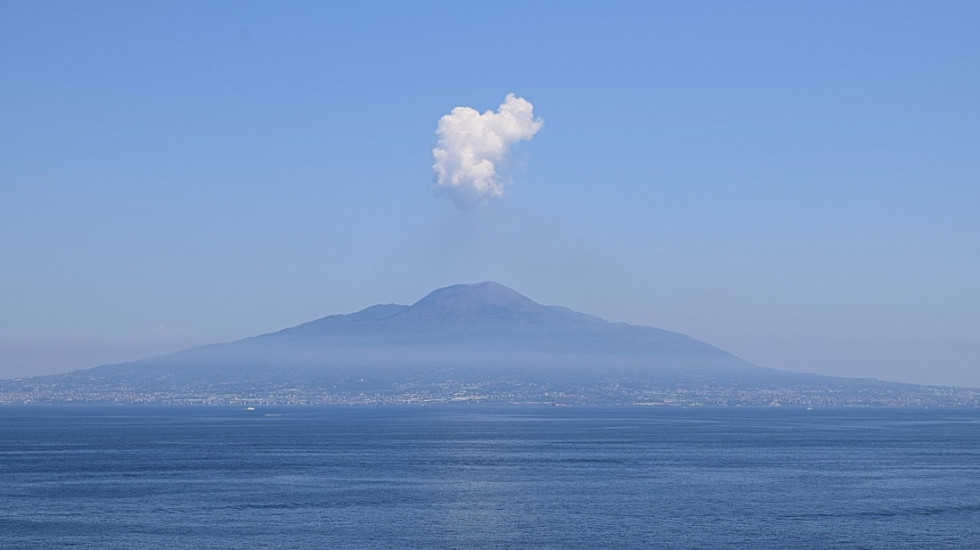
[(487, 477)]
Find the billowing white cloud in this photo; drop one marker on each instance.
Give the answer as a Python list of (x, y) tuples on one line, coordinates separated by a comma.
[(472, 146)]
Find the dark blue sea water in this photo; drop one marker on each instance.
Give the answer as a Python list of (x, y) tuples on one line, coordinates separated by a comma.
[(482, 477)]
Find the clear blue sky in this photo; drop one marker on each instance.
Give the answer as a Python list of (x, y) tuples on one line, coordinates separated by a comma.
[(795, 182)]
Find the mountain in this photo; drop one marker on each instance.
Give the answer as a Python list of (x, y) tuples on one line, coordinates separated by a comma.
[(477, 330), (464, 342)]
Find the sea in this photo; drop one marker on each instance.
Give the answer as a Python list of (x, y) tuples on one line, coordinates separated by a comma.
[(480, 476)]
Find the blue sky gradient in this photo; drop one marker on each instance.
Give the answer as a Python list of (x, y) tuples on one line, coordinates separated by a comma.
[(797, 183)]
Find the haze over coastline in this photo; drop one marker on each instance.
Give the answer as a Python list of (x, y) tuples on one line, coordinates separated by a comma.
[(795, 184)]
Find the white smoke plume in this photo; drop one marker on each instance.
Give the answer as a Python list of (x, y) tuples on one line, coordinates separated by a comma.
[(472, 146)]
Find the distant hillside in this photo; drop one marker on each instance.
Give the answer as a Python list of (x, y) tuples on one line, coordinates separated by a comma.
[(477, 342)]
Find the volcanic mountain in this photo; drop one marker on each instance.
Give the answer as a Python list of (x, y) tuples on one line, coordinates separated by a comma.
[(481, 337), (472, 331)]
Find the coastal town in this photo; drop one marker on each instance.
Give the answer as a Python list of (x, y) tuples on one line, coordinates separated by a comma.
[(499, 391)]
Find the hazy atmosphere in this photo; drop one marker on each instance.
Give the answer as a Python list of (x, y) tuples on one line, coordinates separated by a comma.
[(795, 183)]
